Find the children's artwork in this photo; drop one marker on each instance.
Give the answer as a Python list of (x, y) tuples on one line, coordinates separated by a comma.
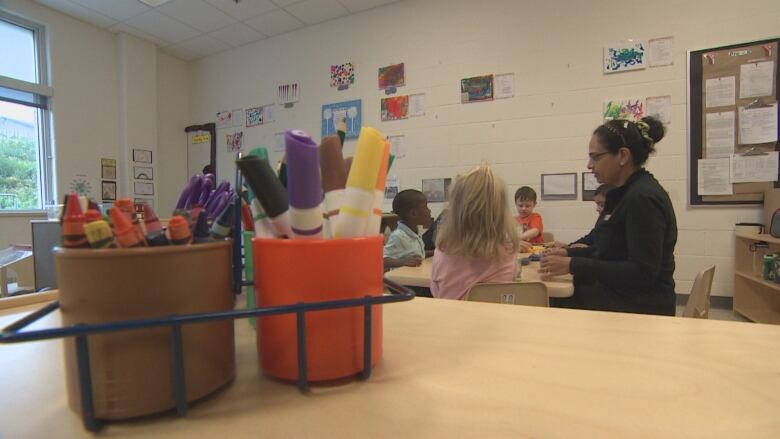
[(142, 155), (224, 119), (436, 190), (81, 185), (628, 109), (660, 52), (659, 107), (559, 186), (395, 108), (288, 93), (392, 187), (238, 117), (392, 76), (143, 188), (505, 85), (589, 186), (417, 105), (477, 88), (143, 173), (235, 141), (342, 75), (397, 146), (108, 169), (108, 190), (628, 55), (349, 111), (259, 115)]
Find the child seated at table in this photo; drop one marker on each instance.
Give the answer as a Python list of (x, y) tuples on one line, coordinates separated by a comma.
[(599, 197), (529, 222), (478, 242), (405, 247)]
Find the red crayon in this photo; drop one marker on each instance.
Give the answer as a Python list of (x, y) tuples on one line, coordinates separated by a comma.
[(92, 215), (73, 235), (179, 231), (125, 233)]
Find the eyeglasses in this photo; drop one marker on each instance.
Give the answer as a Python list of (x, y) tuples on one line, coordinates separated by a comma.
[(594, 157)]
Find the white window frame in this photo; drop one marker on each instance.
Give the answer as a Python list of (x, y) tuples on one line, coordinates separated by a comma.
[(46, 166)]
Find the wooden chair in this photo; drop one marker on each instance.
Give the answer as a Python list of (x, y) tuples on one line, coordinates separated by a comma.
[(511, 293), (698, 305), (548, 237)]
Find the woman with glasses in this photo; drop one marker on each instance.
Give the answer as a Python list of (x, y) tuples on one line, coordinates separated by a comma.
[(631, 266)]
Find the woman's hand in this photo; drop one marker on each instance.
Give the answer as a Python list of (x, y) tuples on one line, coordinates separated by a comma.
[(555, 244), (555, 252), (555, 266)]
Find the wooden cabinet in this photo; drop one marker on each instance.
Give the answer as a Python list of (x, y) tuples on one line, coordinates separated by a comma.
[(755, 298)]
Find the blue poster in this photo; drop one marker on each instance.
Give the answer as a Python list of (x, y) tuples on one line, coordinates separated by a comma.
[(348, 111)]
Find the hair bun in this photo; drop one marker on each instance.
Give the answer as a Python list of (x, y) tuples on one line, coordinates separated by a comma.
[(657, 129)]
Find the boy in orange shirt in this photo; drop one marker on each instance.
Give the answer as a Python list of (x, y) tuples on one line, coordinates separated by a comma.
[(529, 222)]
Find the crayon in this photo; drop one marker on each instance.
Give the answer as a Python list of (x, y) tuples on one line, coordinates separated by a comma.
[(73, 235), (127, 206), (269, 191), (202, 233), (99, 234), (224, 222), (334, 179), (155, 235), (125, 233), (179, 231), (379, 193), (361, 184), (303, 185), (92, 215)]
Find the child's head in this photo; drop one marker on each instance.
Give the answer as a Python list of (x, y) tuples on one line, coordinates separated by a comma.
[(479, 222), (412, 207), (600, 196), (525, 201)]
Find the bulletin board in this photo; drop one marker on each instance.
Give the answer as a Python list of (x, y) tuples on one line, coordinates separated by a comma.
[(736, 69)]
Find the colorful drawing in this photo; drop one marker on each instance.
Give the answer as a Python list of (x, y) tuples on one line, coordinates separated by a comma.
[(224, 119), (254, 116), (624, 56), (289, 93), (628, 109), (81, 185), (235, 141), (392, 76), (395, 108), (348, 111), (477, 88), (342, 74)]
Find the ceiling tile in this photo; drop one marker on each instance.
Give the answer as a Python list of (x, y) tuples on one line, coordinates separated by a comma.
[(123, 27), (237, 34), (275, 23), (245, 9), (198, 14), (163, 27), (203, 45), (317, 11), (283, 3), (119, 10), (362, 5), (180, 52), (78, 11)]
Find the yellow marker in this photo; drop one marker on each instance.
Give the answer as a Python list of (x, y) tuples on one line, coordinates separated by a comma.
[(99, 234), (361, 183)]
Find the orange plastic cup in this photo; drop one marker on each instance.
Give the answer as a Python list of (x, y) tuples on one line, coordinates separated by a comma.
[(289, 271)]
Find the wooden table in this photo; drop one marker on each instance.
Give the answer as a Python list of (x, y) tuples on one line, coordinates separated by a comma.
[(559, 286), (494, 371)]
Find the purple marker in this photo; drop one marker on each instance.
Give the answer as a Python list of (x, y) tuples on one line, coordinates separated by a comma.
[(303, 185)]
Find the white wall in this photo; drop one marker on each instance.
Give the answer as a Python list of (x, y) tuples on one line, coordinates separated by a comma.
[(91, 119), (173, 117), (553, 47)]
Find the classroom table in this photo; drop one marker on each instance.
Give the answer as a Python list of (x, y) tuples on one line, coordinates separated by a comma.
[(494, 371), (558, 286)]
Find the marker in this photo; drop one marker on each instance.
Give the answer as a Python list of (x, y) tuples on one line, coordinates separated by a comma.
[(202, 232), (73, 235), (304, 185), (342, 130), (179, 231), (155, 235), (283, 172), (224, 222), (379, 193), (361, 184), (269, 192), (246, 217), (185, 193), (260, 221), (99, 234), (334, 179), (390, 162), (125, 233)]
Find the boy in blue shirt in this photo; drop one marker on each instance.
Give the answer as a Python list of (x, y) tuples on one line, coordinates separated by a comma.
[(405, 247)]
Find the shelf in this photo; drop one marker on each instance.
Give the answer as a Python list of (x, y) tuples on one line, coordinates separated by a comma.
[(758, 315), (758, 280), (759, 237)]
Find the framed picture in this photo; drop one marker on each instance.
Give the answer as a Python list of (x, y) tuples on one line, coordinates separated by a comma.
[(142, 155), (143, 173), (559, 186), (589, 186), (108, 169), (143, 188), (436, 190), (476, 89), (108, 190), (141, 201)]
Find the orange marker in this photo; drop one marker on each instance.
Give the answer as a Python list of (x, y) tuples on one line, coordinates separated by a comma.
[(179, 231), (73, 235), (125, 233)]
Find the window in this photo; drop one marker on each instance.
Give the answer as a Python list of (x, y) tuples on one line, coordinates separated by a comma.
[(26, 159)]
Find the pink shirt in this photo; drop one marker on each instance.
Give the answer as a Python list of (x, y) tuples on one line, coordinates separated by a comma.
[(454, 275)]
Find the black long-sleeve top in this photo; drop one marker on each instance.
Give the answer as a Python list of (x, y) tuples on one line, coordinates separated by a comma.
[(631, 266)]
